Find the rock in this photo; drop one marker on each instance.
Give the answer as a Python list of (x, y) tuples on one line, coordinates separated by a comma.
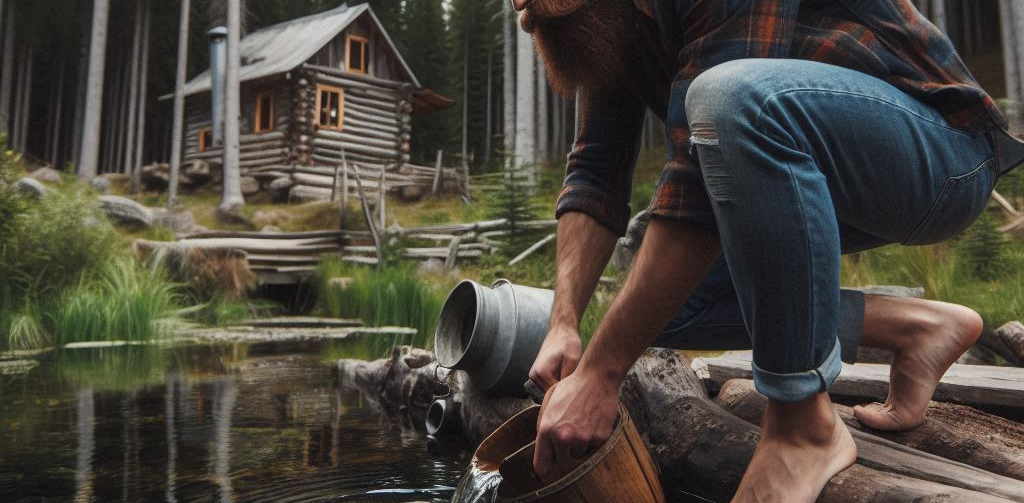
[(412, 193), (117, 181), (916, 292), (158, 176), (179, 221), (628, 245), (126, 213), (31, 187), (198, 173), (281, 184), (270, 217), (249, 185), (47, 175), (271, 229), (102, 185), (1007, 342)]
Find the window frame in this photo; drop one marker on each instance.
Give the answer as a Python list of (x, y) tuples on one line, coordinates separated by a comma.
[(320, 89), (203, 145), (365, 70), (256, 127)]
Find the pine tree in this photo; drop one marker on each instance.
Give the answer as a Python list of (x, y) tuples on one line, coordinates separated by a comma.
[(474, 32), (982, 250), (427, 55)]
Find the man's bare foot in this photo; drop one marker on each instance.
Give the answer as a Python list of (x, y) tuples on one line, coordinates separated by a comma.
[(926, 337), (803, 445)]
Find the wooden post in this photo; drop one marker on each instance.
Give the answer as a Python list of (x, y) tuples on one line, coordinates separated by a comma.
[(369, 215), (453, 253), (343, 207), (437, 173), (382, 196), (334, 183)]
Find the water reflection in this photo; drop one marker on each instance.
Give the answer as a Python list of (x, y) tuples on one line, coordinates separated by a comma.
[(203, 424)]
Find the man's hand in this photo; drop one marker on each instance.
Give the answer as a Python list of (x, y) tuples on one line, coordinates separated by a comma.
[(558, 357), (578, 416)]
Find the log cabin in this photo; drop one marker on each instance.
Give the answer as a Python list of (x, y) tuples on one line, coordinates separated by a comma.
[(311, 87)]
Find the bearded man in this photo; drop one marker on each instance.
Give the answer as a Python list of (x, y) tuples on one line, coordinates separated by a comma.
[(798, 130)]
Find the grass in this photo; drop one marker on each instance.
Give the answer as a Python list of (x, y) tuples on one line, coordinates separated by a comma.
[(392, 296), (125, 302)]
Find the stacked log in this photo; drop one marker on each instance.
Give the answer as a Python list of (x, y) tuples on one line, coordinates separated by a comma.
[(700, 448)]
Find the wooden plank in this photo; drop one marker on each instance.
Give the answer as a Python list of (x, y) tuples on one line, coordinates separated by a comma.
[(1002, 202), (536, 246), (262, 235), (301, 322), (975, 385)]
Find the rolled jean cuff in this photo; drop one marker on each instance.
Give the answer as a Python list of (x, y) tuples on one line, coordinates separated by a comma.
[(802, 385)]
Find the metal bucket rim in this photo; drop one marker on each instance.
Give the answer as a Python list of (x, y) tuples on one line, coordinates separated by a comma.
[(580, 471), (511, 320), (442, 357)]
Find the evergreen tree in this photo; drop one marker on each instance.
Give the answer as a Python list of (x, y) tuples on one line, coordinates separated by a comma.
[(427, 55), (982, 250)]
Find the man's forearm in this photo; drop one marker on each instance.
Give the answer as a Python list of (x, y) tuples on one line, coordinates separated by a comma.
[(673, 259), (584, 248)]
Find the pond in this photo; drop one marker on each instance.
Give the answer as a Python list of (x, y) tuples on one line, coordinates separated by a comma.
[(212, 423)]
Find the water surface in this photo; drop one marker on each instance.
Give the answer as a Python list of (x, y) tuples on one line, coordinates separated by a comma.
[(205, 424)]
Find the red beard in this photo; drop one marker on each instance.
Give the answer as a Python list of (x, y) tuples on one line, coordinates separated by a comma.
[(586, 45)]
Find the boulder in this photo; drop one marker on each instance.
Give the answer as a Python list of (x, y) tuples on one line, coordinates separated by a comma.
[(126, 213), (197, 173), (249, 185), (284, 183), (179, 221), (158, 176), (102, 185), (31, 187), (412, 193), (47, 175)]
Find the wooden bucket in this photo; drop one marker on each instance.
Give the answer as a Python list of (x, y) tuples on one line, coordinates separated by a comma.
[(621, 471)]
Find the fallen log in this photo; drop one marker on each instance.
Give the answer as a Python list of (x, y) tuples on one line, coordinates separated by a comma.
[(949, 431), (700, 448), (974, 385), (1007, 342)]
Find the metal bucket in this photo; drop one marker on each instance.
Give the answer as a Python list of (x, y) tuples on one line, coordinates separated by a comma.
[(443, 418), (494, 334)]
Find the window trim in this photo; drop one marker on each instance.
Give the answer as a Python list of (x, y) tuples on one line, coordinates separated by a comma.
[(320, 88), (203, 146), (259, 115), (348, 54)]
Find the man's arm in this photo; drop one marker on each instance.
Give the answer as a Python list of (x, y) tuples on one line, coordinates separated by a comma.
[(579, 413), (584, 248), (593, 209)]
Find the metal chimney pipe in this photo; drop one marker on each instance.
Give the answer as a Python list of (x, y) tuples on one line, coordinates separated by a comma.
[(218, 67)]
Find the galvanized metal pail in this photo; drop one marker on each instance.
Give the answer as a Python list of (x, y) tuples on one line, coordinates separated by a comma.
[(494, 334)]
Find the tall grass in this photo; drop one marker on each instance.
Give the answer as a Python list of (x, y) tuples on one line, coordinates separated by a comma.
[(393, 296), (125, 301)]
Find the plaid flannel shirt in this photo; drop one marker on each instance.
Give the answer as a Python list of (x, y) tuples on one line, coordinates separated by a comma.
[(888, 39)]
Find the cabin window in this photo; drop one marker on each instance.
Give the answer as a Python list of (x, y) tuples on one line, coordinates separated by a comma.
[(357, 54), (264, 112), (329, 106), (205, 138)]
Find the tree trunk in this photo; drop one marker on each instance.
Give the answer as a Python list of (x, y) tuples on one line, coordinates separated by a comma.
[(543, 116), (133, 94), (179, 105), (94, 94), (509, 82), (465, 101), (526, 103), (489, 127), (15, 133), (232, 201), (140, 140), (26, 100), (81, 78), (7, 77), (55, 132), (1011, 17), (700, 448)]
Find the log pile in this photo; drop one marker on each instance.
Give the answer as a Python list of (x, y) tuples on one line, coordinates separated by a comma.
[(703, 449), (333, 182)]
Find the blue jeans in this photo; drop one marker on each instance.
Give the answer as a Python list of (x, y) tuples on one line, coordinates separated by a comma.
[(805, 161)]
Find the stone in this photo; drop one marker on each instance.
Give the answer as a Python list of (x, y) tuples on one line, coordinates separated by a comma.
[(157, 176), (249, 185), (31, 187), (412, 193), (270, 217), (102, 185), (281, 184), (628, 245), (271, 229), (179, 221), (198, 172), (916, 292), (47, 175), (126, 213)]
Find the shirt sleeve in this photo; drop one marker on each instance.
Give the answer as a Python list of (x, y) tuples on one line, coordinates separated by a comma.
[(712, 32), (599, 172)]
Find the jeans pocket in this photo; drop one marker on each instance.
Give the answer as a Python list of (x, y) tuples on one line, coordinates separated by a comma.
[(962, 200)]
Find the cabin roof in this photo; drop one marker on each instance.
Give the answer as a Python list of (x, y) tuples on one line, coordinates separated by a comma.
[(283, 47)]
